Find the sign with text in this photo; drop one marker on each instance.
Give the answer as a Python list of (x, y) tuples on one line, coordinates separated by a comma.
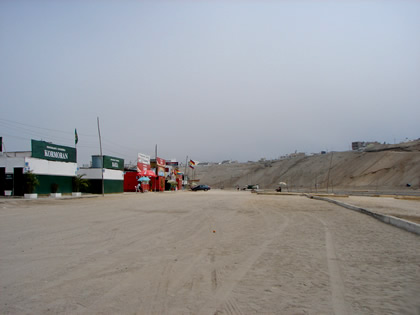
[(143, 158), (53, 152), (157, 162), (143, 164), (113, 163)]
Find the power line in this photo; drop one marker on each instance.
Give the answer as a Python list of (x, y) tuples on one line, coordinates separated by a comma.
[(32, 126), (32, 131), (117, 144), (16, 137), (48, 129)]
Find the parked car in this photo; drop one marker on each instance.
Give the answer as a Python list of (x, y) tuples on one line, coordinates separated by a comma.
[(200, 187), (250, 187)]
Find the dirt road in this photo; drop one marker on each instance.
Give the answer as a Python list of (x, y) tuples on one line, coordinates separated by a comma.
[(213, 252)]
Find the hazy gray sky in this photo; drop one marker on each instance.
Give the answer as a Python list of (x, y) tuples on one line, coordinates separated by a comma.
[(212, 80)]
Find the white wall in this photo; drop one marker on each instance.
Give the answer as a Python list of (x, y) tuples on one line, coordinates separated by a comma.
[(38, 166), (95, 173), (11, 162), (45, 167)]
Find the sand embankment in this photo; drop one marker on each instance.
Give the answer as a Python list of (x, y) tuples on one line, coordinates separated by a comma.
[(385, 168)]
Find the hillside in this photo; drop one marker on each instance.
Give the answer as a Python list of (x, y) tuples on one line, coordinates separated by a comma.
[(384, 167)]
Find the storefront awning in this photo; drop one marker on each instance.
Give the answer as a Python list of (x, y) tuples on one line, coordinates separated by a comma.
[(148, 173)]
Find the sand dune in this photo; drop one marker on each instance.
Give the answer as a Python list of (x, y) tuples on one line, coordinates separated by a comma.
[(385, 168)]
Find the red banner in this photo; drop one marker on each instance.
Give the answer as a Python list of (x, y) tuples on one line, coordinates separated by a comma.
[(143, 164), (142, 168), (160, 162)]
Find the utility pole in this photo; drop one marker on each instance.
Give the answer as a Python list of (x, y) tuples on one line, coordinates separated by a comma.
[(186, 162), (102, 160), (157, 183), (329, 170), (156, 153)]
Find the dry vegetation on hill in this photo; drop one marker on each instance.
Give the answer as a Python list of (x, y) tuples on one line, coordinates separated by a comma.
[(383, 167)]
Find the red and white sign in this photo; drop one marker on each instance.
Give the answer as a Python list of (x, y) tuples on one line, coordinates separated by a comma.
[(160, 162), (143, 164), (143, 158)]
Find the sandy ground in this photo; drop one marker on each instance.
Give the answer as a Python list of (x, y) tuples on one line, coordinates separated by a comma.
[(215, 252), (403, 208), (375, 172)]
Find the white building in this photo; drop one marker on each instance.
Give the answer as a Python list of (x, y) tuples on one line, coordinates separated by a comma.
[(54, 165)]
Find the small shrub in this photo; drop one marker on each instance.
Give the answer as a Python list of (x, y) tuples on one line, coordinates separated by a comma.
[(31, 182), (80, 183)]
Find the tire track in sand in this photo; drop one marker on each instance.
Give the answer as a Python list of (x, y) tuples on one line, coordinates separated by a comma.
[(221, 300), (336, 280)]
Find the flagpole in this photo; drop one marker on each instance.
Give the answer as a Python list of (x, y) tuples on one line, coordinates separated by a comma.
[(186, 164), (185, 173), (102, 159), (76, 139)]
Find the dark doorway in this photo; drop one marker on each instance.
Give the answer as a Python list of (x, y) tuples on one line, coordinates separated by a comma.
[(2, 180), (18, 181)]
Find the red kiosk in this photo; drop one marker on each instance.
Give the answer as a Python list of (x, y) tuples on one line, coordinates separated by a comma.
[(144, 171), (158, 182), (130, 181)]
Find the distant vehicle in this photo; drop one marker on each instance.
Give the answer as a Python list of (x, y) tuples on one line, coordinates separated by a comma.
[(251, 187), (201, 187)]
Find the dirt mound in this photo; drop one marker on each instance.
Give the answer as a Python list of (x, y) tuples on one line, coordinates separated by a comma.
[(385, 168), (410, 146)]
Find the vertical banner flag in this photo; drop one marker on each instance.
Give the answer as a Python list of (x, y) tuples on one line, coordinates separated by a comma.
[(76, 138), (192, 163)]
